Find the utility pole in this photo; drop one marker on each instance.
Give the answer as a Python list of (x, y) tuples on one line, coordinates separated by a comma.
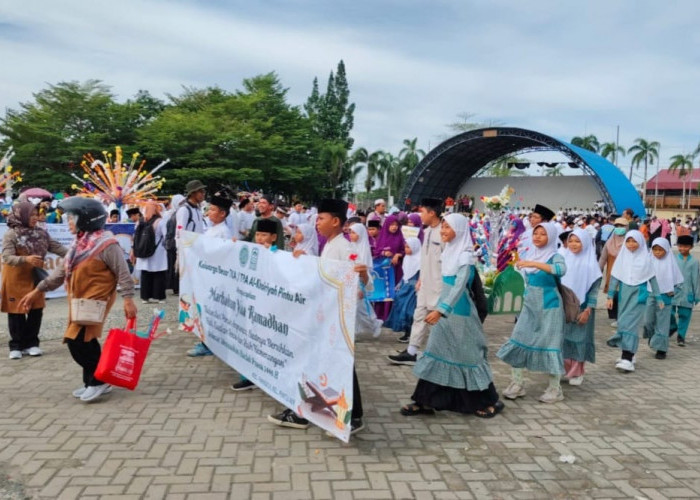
[(656, 183)]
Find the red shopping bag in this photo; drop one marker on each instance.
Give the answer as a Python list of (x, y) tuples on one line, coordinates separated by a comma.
[(122, 358)]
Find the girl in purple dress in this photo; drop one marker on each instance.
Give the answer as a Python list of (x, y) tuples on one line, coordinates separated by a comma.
[(390, 245)]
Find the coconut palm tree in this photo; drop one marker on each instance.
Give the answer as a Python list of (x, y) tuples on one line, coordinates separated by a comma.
[(684, 165), (644, 151), (612, 150), (410, 154), (589, 142), (555, 171)]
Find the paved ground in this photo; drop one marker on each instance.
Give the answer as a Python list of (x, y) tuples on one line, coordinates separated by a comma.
[(184, 434)]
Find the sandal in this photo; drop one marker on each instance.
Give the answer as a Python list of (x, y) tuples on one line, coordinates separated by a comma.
[(411, 410), (491, 411)]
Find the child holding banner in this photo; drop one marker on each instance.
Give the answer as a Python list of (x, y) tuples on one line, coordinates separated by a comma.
[(331, 218)]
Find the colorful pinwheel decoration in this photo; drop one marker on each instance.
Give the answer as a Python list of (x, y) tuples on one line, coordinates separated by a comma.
[(112, 181), (8, 178)]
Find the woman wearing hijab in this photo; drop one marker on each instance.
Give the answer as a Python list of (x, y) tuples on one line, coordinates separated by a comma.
[(453, 373), (509, 244), (365, 320), (24, 247), (401, 317), (670, 280), (583, 276), (306, 240), (390, 245), (632, 274), (92, 269), (607, 258), (414, 221), (537, 338), (154, 268)]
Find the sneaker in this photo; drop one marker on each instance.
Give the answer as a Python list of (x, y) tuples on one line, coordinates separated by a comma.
[(199, 349), (288, 418), (576, 380), (660, 355), (79, 392), (15, 355), (680, 341), (92, 392), (403, 358), (612, 343), (672, 332), (613, 324), (552, 395), (356, 425), (514, 391), (404, 338), (625, 365), (243, 385), (35, 351), (144, 301), (634, 360)]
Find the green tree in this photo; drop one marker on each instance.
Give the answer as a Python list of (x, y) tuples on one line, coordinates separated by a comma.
[(332, 113), (612, 151), (465, 122), (501, 167), (555, 171), (683, 164), (644, 151), (410, 154), (589, 142)]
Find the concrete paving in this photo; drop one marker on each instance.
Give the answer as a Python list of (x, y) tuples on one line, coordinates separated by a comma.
[(184, 434)]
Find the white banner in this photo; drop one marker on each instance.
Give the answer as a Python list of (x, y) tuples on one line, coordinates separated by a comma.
[(285, 323), (122, 232)]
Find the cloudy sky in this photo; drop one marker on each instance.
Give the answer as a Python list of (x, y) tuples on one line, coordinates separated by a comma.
[(561, 68)]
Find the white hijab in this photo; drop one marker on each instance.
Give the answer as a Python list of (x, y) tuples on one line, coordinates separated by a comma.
[(668, 274), (361, 246), (411, 263), (633, 268), (582, 269), (542, 254), (459, 251), (310, 242)]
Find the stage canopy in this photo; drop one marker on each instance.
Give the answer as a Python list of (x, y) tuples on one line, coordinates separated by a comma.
[(445, 168)]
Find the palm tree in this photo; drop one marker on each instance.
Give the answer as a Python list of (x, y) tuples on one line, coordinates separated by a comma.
[(589, 142), (334, 156), (410, 154), (684, 165), (500, 167), (555, 171), (612, 149), (646, 151)]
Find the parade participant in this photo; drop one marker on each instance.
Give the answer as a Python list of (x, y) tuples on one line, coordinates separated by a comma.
[(373, 228), (390, 245), (219, 209), (413, 220), (189, 216), (538, 335), (401, 317), (133, 214), (611, 249), (297, 217), (93, 268), (509, 244), (266, 233), (453, 373), (154, 269), (24, 247), (670, 280), (583, 276), (330, 221), (538, 215), (246, 217), (172, 277), (281, 214), (114, 216), (266, 208), (379, 212), (689, 295), (631, 273), (365, 319), (429, 284), (306, 240)]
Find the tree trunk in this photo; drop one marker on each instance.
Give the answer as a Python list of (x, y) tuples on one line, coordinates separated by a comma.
[(644, 185), (631, 167)]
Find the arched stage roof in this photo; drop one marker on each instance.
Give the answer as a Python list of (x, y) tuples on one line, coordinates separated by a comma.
[(445, 168)]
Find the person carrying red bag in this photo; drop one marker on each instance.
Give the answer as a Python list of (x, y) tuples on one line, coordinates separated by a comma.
[(92, 269)]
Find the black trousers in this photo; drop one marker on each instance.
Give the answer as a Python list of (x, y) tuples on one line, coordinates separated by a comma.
[(87, 355), (356, 397), (24, 329), (173, 281), (612, 313), (153, 285)]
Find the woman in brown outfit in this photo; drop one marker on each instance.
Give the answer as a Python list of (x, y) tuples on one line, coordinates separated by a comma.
[(24, 246), (93, 268), (607, 259)]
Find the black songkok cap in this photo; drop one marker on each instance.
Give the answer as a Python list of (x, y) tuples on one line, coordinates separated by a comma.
[(374, 223), (433, 204), (221, 202), (546, 213), (685, 240), (266, 226), (333, 206), (133, 211)]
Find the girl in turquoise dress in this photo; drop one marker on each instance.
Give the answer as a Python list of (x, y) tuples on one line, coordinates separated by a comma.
[(536, 341), (453, 372), (583, 276), (632, 277)]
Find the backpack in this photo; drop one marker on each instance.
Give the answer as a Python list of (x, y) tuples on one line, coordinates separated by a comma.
[(572, 306), (145, 239), (171, 227)]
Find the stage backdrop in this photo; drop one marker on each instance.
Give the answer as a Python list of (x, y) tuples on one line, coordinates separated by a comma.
[(287, 324), (122, 232)]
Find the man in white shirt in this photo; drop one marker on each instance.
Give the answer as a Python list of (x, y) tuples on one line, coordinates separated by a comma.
[(219, 208), (379, 211), (297, 217), (246, 216), (189, 216)]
